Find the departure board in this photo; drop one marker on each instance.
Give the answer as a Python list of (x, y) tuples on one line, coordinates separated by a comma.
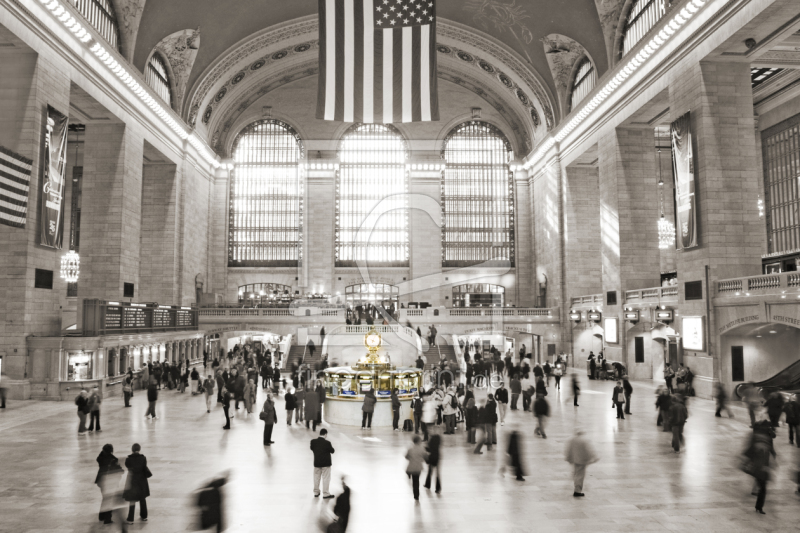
[(161, 318), (184, 318), (135, 317), (113, 317)]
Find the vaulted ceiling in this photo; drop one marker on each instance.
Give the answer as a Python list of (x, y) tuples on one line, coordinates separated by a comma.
[(519, 24)]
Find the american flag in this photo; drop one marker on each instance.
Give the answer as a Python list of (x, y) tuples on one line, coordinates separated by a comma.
[(15, 179), (377, 61)]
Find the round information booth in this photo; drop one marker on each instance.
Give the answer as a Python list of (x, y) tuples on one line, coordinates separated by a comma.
[(346, 386)]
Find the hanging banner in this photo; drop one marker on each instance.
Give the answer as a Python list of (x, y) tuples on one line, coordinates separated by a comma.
[(54, 160), (683, 170)]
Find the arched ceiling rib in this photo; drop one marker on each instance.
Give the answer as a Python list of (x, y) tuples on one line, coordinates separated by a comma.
[(517, 24)]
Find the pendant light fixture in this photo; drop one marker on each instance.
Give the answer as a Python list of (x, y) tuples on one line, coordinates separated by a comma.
[(666, 230)]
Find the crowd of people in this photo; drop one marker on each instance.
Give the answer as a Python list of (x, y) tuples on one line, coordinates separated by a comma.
[(437, 412)]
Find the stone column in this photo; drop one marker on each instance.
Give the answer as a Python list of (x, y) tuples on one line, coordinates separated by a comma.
[(159, 236), (629, 215), (425, 240), (731, 236), (111, 211), (28, 83), (320, 214), (526, 258)]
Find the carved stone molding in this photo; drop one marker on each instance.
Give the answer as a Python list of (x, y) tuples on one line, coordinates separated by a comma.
[(562, 53), (261, 51), (129, 15), (180, 50), (610, 12)]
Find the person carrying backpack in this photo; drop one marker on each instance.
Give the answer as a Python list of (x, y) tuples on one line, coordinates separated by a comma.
[(449, 408)]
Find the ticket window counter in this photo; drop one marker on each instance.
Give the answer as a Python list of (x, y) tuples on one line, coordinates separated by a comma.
[(79, 366)]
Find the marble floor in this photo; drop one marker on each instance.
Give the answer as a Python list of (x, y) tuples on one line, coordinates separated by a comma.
[(47, 472)]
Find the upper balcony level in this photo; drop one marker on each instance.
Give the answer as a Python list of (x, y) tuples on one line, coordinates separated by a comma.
[(654, 295), (304, 315), (766, 286)]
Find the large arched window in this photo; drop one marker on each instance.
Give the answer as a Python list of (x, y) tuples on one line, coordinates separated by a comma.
[(477, 197), (372, 171), (479, 295), (644, 14), (100, 14), (585, 78), (266, 198), (372, 293), (157, 77), (265, 295)]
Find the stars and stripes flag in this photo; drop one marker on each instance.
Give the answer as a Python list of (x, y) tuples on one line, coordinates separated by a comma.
[(15, 179), (377, 61)]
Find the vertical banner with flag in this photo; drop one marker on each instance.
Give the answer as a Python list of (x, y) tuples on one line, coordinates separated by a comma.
[(377, 61), (54, 159), (683, 169)]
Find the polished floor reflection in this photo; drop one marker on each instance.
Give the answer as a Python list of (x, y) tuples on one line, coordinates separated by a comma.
[(47, 472)]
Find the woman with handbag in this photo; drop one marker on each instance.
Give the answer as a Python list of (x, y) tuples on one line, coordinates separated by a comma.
[(109, 474), (269, 416), (137, 489)]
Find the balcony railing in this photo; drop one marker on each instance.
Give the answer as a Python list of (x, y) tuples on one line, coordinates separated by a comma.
[(589, 299), (653, 294), (430, 314), (764, 284)]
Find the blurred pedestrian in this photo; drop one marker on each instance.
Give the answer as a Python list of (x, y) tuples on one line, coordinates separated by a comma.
[(239, 383), (434, 455), (300, 396), (516, 390), (491, 419), (663, 403), (579, 453), (628, 389), (677, 418), (515, 454), (367, 409), (208, 390), (721, 396), (290, 401), (342, 509), (137, 488), (311, 407), (668, 375), (109, 474), (753, 401), (3, 395), (82, 402), (558, 371), (576, 390), (541, 410), (484, 437), (321, 396), (152, 398), (416, 457), (618, 400), (757, 459), (471, 420), (269, 415), (395, 410), (416, 408), (225, 395), (195, 381), (429, 409), (792, 410), (210, 501), (322, 450), (94, 410), (249, 395), (774, 405), (127, 389)]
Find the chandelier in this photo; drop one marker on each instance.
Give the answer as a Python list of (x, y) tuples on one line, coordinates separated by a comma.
[(71, 266), (666, 230)]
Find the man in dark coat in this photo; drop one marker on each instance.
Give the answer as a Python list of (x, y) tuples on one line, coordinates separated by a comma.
[(395, 410), (774, 405), (626, 386), (516, 390), (321, 395), (322, 449), (677, 418), (515, 454), (792, 410), (238, 388), (618, 400), (137, 489), (152, 397)]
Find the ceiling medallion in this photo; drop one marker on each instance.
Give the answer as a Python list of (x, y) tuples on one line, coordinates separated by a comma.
[(442, 49), (463, 56), (280, 55), (239, 77)]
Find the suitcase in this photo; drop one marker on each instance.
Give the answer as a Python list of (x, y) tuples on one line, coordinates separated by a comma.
[(408, 425)]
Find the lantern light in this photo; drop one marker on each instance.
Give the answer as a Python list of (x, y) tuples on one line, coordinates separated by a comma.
[(71, 266)]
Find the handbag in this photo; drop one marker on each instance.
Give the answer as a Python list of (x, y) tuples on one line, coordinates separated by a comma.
[(262, 415)]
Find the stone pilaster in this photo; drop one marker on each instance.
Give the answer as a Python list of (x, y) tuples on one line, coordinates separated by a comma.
[(425, 239), (582, 231), (320, 216), (526, 258), (159, 268), (28, 83), (111, 211)]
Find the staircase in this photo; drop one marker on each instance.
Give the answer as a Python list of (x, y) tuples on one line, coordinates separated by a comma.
[(432, 355), (296, 355)]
